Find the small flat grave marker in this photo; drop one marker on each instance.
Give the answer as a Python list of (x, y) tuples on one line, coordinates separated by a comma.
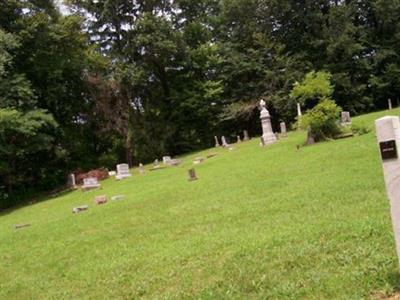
[(79, 209), (99, 200), (117, 197), (19, 226)]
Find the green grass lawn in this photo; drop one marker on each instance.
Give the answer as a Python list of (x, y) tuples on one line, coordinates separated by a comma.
[(260, 223)]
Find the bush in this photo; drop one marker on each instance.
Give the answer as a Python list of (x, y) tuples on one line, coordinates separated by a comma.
[(322, 120)]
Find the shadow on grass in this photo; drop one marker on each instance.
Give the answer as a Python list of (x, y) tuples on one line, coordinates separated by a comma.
[(35, 200)]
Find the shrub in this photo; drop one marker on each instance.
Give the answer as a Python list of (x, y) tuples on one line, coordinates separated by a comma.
[(322, 120)]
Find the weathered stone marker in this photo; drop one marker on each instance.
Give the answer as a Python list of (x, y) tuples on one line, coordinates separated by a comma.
[(238, 139), (345, 118), (142, 171), (268, 135), (71, 181), (299, 110), (99, 200), (79, 209), (216, 142), (19, 226), (224, 143), (388, 135), (192, 175), (390, 103), (283, 129), (246, 135)]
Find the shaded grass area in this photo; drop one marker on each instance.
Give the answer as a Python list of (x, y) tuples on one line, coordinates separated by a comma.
[(259, 223)]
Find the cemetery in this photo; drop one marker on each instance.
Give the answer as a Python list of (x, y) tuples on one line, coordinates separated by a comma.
[(252, 223), (216, 149)]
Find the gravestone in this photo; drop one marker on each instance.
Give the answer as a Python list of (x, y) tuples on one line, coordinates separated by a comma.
[(99, 200), (174, 162), (388, 136), (345, 118), (198, 160), (262, 143), (112, 173), (122, 171), (71, 181), (245, 135), (211, 155), (19, 226), (390, 103), (166, 160), (268, 135), (117, 197), (299, 114), (277, 136), (142, 171), (156, 164), (192, 175), (283, 129), (238, 139), (224, 143), (216, 142), (90, 183), (310, 138), (79, 209)]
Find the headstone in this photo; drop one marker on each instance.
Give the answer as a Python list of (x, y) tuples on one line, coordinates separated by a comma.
[(216, 142), (224, 143), (345, 118), (298, 110), (71, 181), (117, 197), (142, 171), (100, 199), (390, 103), (238, 139), (245, 135), (156, 164), (166, 160), (198, 160), (277, 136), (310, 138), (122, 171), (79, 209), (211, 155), (19, 226), (262, 143), (112, 173), (174, 162), (268, 135), (90, 183), (192, 175), (388, 136), (283, 129)]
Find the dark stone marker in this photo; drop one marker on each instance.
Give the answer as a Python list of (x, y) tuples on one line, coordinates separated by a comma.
[(192, 175), (388, 149)]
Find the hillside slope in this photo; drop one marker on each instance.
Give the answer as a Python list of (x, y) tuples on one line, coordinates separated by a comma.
[(259, 223)]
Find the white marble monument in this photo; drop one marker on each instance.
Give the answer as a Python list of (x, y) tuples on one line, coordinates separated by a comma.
[(268, 135), (216, 142), (388, 136), (224, 143)]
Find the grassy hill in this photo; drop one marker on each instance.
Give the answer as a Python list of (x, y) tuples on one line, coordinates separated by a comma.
[(259, 223)]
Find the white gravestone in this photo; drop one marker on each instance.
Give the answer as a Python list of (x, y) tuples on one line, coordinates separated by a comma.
[(283, 129), (166, 160), (238, 139), (71, 181), (245, 135), (142, 171), (90, 183), (298, 110), (216, 142), (346, 119), (268, 135), (390, 103), (224, 143), (122, 171), (388, 135)]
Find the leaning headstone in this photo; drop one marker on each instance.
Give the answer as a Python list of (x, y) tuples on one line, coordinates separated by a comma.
[(310, 138), (238, 139), (142, 171), (100, 199), (345, 118), (90, 183), (71, 181), (192, 175), (388, 136), (245, 135), (283, 129), (122, 171), (390, 103), (224, 143), (268, 135), (79, 209), (216, 142)]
